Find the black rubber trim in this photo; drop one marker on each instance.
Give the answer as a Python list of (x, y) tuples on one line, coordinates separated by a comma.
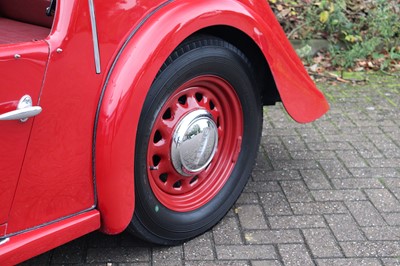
[(103, 90)]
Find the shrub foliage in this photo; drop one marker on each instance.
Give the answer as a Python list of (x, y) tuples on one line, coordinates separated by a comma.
[(357, 30)]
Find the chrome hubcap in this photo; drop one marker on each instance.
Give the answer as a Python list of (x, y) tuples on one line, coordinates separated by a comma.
[(194, 143)]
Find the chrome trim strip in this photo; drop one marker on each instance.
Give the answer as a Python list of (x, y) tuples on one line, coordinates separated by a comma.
[(4, 240), (95, 38)]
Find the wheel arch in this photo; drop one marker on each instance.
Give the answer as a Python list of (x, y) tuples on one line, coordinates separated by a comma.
[(137, 64), (266, 83)]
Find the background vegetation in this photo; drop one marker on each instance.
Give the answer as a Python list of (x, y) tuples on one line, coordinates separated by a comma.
[(361, 34)]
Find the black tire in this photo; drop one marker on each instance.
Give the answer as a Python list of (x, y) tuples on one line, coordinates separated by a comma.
[(204, 56)]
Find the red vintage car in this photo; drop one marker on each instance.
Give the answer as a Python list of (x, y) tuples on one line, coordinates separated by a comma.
[(134, 114)]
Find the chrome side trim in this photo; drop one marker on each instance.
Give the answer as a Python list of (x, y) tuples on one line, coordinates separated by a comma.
[(4, 240), (95, 38)]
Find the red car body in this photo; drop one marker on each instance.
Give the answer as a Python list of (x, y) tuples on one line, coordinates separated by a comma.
[(68, 171)]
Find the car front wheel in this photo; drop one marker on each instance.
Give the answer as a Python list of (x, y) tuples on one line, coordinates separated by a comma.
[(198, 136)]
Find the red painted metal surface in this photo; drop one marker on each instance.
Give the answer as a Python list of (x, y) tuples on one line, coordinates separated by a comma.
[(3, 229), (46, 163), (56, 178), (151, 45), (217, 97), (300, 96), (18, 77), (26, 245)]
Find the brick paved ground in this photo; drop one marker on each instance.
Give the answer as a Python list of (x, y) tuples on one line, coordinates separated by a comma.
[(325, 193)]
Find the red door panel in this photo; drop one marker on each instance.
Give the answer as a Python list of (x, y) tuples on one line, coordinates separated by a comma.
[(56, 179), (22, 68)]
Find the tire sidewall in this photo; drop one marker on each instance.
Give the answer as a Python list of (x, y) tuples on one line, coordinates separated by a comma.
[(161, 224)]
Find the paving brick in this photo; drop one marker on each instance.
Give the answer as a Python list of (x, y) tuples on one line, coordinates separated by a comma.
[(217, 263), (119, 255), (385, 144), (338, 195), (296, 191), (298, 221), (312, 155), (311, 135), (344, 123), (391, 261), (329, 146), (391, 182), (280, 132), (294, 164), (227, 232), (166, 263), (199, 248), (344, 137), (334, 168), (273, 236), (295, 255), (266, 263), (327, 127), (315, 179), (367, 149), (318, 208), (351, 159), (276, 175), (371, 249), (365, 213), (383, 200), (322, 243), (325, 193), (392, 218), (396, 192), (358, 183), (344, 227), (72, 252), (275, 203), (99, 240), (42, 259), (251, 252), (251, 217), (293, 143), (275, 150), (262, 187), (391, 130), (167, 255), (348, 262), (248, 198), (359, 117), (390, 162), (262, 164), (390, 233), (374, 172), (126, 239)]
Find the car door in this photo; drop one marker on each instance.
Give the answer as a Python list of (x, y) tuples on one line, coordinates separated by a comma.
[(22, 68)]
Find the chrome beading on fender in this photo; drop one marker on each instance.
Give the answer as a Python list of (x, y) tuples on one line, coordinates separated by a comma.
[(95, 37)]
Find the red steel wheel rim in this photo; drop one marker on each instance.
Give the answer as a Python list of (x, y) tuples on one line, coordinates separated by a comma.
[(187, 193)]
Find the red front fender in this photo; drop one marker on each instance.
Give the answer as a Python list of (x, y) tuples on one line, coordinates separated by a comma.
[(136, 66)]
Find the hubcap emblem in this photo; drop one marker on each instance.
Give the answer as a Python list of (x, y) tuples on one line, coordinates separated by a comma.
[(194, 143)]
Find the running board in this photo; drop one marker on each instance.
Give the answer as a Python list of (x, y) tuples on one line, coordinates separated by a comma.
[(21, 247)]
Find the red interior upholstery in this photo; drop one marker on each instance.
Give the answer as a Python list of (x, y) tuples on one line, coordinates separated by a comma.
[(28, 11), (12, 31), (24, 20)]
